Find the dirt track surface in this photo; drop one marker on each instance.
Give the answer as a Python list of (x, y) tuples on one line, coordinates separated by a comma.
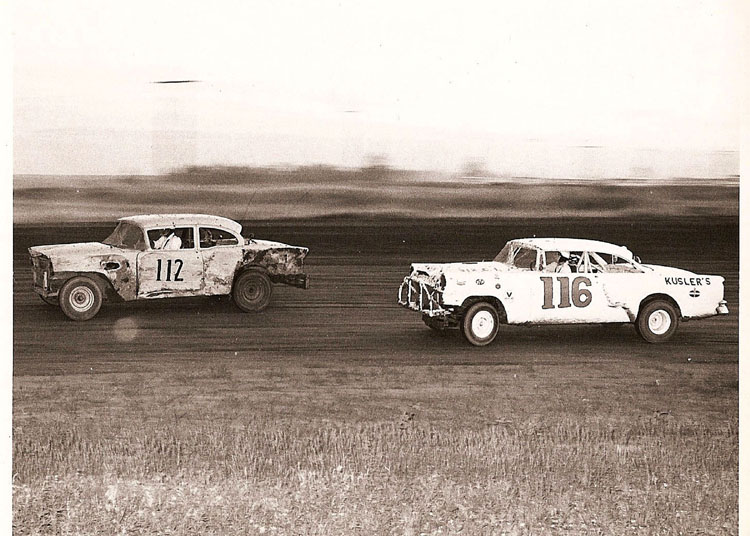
[(349, 314)]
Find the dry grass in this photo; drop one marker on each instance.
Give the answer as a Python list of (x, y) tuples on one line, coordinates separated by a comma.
[(197, 453), (321, 478)]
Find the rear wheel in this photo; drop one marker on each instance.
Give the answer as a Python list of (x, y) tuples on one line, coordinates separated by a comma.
[(252, 291), (480, 324), (80, 298), (657, 321)]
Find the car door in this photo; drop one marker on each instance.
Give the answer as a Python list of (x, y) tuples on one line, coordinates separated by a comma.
[(622, 282), (221, 253), (572, 296), (165, 273)]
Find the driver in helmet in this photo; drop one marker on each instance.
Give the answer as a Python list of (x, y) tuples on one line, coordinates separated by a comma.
[(559, 265)]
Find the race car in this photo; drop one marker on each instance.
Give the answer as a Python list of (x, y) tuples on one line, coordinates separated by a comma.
[(559, 281), (165, 256)]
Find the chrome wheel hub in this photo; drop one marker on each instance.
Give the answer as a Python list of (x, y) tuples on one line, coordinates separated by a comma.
[(659, 322), (82, 299), (483, 324)]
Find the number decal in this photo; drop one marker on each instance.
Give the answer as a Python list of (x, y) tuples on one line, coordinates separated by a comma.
[(581, 296), (547, 292), (564, 292), (179, 269), (168, 272)]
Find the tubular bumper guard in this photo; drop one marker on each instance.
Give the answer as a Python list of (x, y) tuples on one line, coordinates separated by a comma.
[(421, 297)]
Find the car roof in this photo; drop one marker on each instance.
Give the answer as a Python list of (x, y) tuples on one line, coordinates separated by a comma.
[(576, 244), (176, 220)]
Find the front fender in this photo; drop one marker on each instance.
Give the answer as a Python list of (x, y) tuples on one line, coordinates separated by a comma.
[(101, 277)]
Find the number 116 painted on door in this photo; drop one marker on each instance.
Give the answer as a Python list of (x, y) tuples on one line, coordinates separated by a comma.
[(570, 294)]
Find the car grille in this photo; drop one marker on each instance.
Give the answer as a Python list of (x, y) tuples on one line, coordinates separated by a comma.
[(41, 270), (420, 296)]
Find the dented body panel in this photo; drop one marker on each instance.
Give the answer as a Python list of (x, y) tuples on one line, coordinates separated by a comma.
[(116, 265), (597, 283), (201, 267)]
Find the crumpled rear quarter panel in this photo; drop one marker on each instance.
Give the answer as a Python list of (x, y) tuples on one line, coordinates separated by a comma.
[(277, 259)]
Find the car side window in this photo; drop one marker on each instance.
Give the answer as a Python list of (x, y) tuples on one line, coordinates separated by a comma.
[(598, 261), (556, 261), (171, 238), (577, 262), (211, 237)]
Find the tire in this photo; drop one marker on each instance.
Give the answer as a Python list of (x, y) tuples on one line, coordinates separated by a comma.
[(51, 300), (252, 291), (657, 321), (80, 298), (480, 324)]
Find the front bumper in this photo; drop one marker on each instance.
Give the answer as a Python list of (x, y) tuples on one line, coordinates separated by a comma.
[(722, 309), (421, 297), (42, 281)]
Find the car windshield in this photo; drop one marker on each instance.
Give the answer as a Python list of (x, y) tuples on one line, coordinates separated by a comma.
[(126, 235), (518, 256), (504, 255)]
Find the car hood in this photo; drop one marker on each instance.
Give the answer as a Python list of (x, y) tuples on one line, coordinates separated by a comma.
[(84, 256), (457, 269), (68, 251)]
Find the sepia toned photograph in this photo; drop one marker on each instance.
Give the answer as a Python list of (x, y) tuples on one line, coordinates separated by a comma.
[(375, 268)]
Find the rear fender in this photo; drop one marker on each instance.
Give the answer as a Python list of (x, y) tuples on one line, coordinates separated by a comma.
[(665, 297), (277, 261)]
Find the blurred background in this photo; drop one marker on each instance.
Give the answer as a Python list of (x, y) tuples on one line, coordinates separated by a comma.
[(277, 110)]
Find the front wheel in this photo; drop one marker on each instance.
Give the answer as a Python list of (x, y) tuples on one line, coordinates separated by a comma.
[(252, 291), (657, 321), (80, 298), (480, 324)]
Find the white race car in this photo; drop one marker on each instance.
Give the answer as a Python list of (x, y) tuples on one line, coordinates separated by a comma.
[(559, 281)]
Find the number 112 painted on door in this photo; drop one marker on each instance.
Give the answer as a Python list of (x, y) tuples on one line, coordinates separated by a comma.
[(168, 272)]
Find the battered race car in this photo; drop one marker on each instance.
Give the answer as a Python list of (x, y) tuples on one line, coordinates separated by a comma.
[(559, 281), (165, 256)]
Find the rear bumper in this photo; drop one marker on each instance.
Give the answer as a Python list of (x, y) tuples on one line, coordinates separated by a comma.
[(293, 280)]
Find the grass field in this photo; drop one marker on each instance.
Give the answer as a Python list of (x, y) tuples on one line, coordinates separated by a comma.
[(238, 447)]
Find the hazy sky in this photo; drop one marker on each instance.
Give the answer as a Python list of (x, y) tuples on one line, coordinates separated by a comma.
[(540, 88)]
